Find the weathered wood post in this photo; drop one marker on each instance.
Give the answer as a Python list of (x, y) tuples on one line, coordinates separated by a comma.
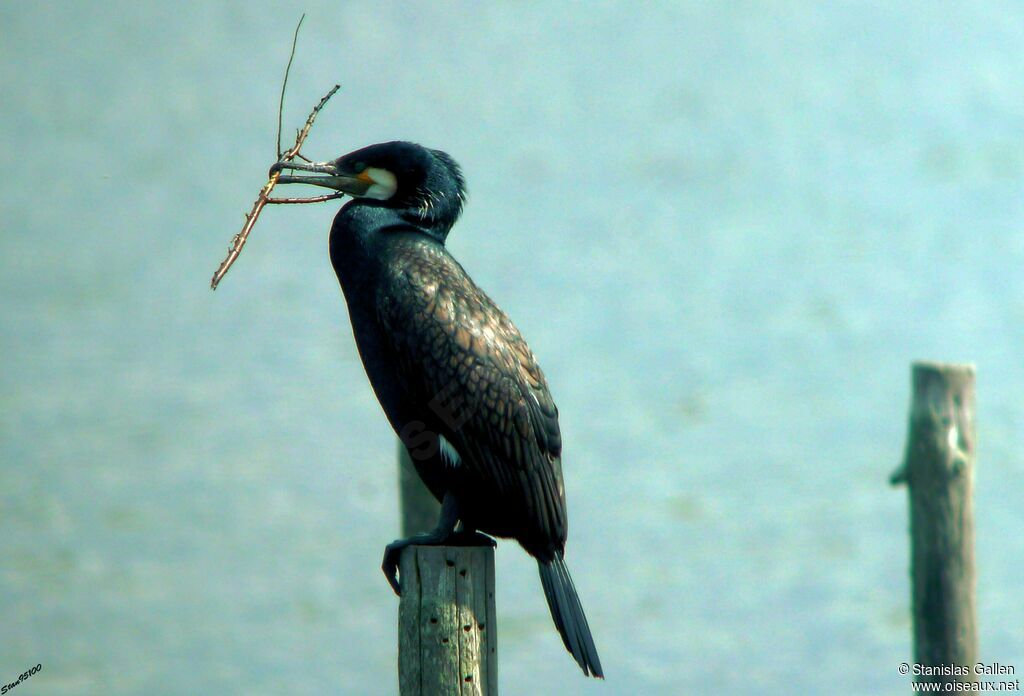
[(420, 508), (447, 633), (939, 470)]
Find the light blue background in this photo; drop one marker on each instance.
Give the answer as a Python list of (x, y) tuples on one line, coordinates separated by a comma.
[(725, 228)]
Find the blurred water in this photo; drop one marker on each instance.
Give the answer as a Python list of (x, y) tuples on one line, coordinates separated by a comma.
[(726, 230)]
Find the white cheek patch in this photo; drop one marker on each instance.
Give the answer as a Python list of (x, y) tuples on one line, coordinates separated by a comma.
[(448, 454), (384, 184)]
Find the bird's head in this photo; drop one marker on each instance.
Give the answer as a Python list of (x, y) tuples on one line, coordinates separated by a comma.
[(425, 186)]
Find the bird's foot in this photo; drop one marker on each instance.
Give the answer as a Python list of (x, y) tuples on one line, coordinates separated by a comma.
[(393, 551), (470, 538)]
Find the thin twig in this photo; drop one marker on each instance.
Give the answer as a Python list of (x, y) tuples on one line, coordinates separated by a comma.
[(239, 239), (280, 105), (301, 138)]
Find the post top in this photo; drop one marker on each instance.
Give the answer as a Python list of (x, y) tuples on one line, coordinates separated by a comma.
[(944, 367)]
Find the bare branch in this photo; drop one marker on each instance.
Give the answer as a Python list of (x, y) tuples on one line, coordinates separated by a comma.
[(287, 70), (264, 197)]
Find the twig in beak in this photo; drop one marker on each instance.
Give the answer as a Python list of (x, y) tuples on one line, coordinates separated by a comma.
[(238, 241)]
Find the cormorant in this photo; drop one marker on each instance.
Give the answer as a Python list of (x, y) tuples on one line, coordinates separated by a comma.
[(454, 376)]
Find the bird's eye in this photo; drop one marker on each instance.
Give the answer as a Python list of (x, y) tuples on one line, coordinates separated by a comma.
[(358, 167)]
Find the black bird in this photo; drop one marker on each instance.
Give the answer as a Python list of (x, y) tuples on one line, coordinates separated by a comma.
[(455, 378)]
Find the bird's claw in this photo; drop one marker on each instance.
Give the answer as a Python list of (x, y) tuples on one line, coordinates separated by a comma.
[(393, 551)]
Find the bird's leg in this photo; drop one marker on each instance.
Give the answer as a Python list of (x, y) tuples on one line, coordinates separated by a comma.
[(444, 529), (443, 533)]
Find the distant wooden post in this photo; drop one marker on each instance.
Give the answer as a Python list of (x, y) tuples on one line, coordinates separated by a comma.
[(447, 633), (939, 470), (420, 509)]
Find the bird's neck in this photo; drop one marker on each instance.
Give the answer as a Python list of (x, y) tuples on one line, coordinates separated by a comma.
[(364, 239)]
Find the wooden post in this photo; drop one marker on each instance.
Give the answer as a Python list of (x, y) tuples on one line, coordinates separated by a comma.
[(420, 509), (939, 470), (447, 633)]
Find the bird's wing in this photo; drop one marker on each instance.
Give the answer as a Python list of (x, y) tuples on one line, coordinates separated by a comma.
[(460, 354)]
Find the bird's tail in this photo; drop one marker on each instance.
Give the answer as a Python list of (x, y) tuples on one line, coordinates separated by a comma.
[(568, 614)]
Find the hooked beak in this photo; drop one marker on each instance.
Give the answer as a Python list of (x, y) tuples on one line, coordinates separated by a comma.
[(352, 184)]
